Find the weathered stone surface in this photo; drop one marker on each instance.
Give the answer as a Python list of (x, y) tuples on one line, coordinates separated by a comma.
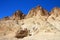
[(18, 15), (39, 12), (37, 25)]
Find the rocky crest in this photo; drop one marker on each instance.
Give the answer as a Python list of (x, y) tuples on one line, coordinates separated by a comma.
[(38, 11), (18, 15), (38, 24)]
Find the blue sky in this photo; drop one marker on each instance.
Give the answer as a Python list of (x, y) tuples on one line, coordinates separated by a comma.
[(8, 7)]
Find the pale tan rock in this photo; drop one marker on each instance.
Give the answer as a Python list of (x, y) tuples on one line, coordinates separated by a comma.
[(39, 12), (37, 25), (17, 15), (54, 17)]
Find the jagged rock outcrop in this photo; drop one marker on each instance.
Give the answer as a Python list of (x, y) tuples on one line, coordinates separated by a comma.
[(38, 11), (18, 15), (22, 33), (37, 25), (54, 17)]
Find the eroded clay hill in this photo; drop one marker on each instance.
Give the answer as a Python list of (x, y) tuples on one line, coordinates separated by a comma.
[(38, 24)]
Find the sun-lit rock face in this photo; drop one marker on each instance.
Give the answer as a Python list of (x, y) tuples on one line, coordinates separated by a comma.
[(54, 17), (18, 15), (38, 24), (39, 12)]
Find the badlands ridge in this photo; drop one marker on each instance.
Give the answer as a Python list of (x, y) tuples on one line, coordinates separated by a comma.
[(38, 24)]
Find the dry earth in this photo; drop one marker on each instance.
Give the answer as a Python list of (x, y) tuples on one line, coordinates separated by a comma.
[(38, 24)]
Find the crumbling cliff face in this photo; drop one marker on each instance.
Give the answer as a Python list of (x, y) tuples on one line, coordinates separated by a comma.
[(38, 24)]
